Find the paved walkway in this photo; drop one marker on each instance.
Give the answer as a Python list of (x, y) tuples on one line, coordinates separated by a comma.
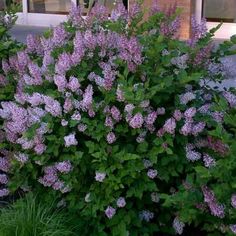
[(20, 32)]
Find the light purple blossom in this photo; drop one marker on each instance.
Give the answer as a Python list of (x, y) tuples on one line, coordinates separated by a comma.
[(115, 113), (109, 122), (110, 212), (111, 137), (4, 164), (64, 167), (151, 118), (3, 179), (178, 226), (60, 81), (119, 94), (146, 215), (186, 128), (198, 128), (161, 111), (170, 126), (76, 116), (209, 195), (177, 115), (21, 157), (73, 84), (193, 155), (218, 116), (52, 106), (190, 113), (233, 200), (208, 161), (136, 121), (180, 61), (68, 105), (129, 108), (187, 97), (100, 176), (63, 64), (121, 202), (152, 173), (205, 108), (82, 127), (64, 122), (88, 97), (231, 98), (59, 35), (119, 13), (199, 30), (233, 228), (40, 148), (70, 140), (4, 192), (35, 99), (217, 210)]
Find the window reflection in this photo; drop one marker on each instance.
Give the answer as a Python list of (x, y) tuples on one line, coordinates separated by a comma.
[(110, 4), (50, 6), (63, 6), (220, 10)]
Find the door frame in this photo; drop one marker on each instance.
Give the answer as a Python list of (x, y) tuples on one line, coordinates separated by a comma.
[(226, 30)]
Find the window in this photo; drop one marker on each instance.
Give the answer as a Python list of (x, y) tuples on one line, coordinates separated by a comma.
[(49, 6), (88, 4), (220, 10), (63, 6)]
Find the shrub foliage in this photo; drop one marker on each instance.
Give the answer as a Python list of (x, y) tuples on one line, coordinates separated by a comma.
[(115, 116)]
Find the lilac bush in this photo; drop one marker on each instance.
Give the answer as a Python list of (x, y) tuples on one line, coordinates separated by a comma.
[(109, 116)]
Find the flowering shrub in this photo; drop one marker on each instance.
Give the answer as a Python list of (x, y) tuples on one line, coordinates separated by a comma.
[(109, 116)]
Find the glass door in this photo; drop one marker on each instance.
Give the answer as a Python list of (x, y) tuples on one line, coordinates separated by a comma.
[(216, 11)]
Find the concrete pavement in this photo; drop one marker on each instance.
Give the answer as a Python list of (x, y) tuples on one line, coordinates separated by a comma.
[(20, 32)]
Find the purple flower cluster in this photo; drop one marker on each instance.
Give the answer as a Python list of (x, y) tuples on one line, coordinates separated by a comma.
[(231, 98), (110, 212), (100, 176), (3, 179), (111, 137), (198, 30), (169, 126), (192, 155), (64, 167), (233, 200), (208, 161), (233, 228), (152, 173), (146, 215), (216, 209), (121, 202), (187, 97), (4, 192), (51, 178), (70, 140), (178, 226), (21, 157), (136, 121)]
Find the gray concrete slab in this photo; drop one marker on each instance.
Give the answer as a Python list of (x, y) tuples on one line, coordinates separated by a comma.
[(20, 32)]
